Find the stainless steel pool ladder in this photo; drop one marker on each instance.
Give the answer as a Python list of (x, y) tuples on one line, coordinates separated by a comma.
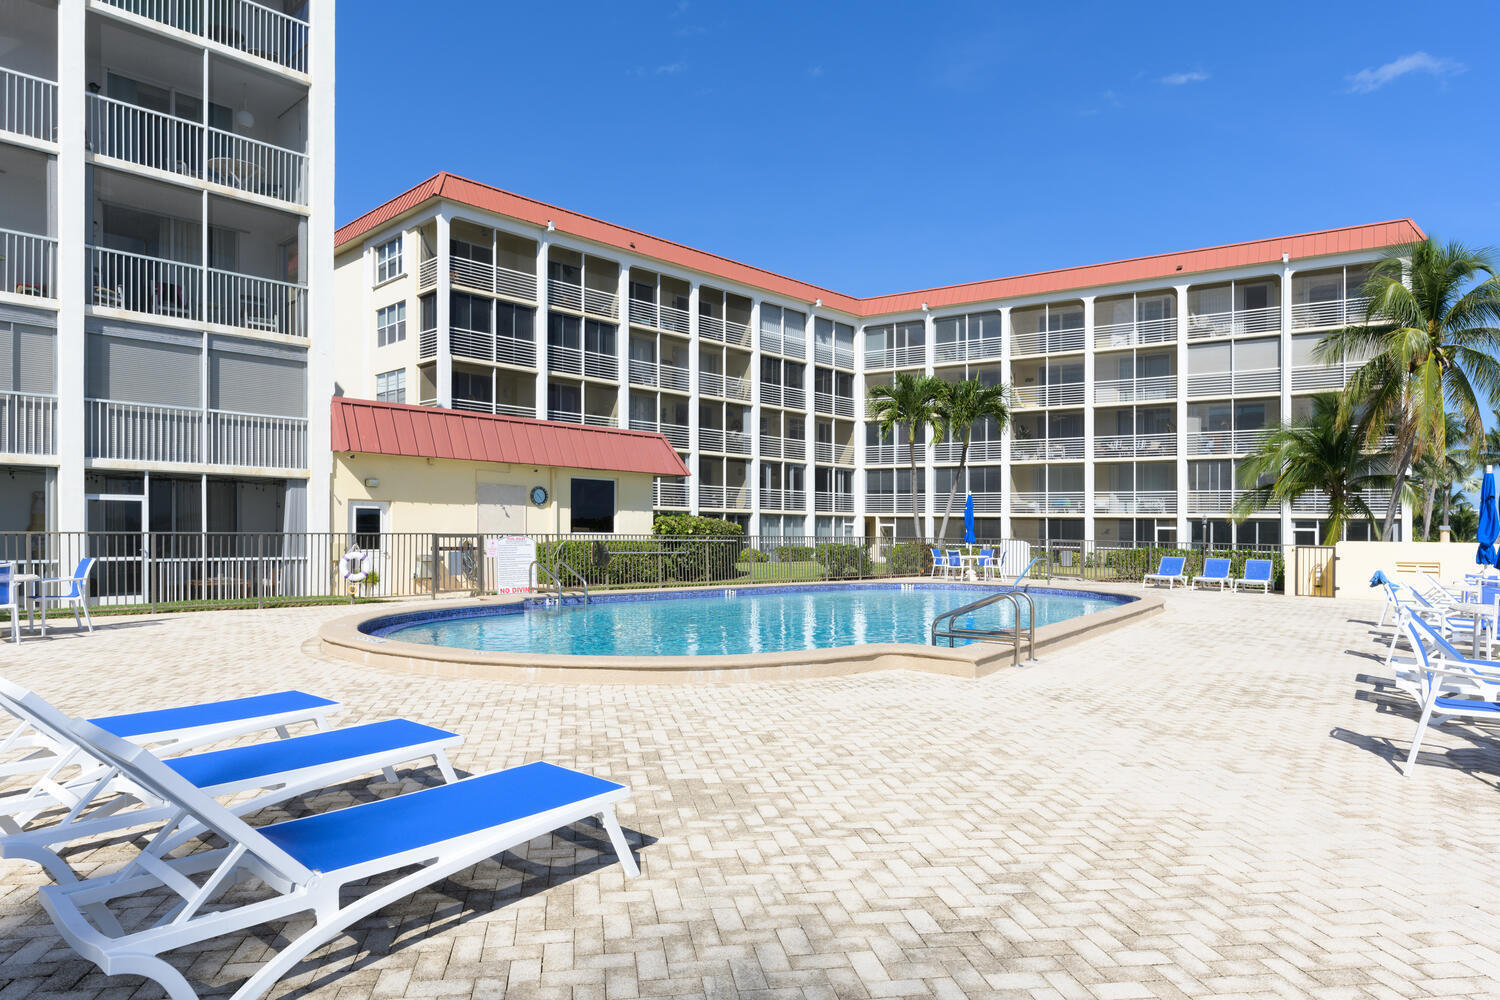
[(557, 580), (1011, 635)]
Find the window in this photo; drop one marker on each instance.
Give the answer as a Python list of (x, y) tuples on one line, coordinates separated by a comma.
[(390, 387), (469, 312), (593, 505), (388, 260), (390, 325), (366, 524)]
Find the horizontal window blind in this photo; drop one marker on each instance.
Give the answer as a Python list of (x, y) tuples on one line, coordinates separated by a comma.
[(142, 371), (243, 383)]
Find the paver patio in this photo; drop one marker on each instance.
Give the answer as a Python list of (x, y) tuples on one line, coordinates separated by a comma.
[(1200, 805)]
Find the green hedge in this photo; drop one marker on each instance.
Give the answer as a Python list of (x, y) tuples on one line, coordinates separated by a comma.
[(687, 525), (1132, 564), (793, 553), (843, 560), (909, 559)]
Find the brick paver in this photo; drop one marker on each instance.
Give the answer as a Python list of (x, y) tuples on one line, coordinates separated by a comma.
[(1200, 805)]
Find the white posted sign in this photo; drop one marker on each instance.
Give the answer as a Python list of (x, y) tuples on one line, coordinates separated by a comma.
[(512, 556)]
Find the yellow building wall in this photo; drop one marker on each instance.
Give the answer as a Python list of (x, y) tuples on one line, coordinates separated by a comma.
[(441, 495)]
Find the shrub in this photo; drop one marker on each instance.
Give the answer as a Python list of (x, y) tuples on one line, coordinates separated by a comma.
[(686, 525), (756, 555), (843, 559), (909, 559), (794, 553), (698, 549)]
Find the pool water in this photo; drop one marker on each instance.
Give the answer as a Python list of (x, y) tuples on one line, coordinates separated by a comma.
[(746, 622)]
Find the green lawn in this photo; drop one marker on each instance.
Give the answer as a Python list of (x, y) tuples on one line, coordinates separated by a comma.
[(781, 572)]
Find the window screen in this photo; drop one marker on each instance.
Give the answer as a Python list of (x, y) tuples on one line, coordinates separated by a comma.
[(243, 383)]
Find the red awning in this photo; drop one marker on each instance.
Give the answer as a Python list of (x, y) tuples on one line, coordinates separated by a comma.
[(362, 425)]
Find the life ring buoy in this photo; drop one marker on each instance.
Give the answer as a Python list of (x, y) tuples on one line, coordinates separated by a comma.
[(354, 565)]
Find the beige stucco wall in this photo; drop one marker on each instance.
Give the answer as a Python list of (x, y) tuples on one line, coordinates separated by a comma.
[(1358, 561), (440, 495)]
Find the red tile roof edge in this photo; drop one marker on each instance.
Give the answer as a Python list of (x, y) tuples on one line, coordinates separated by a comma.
[(375, 428), (1395, 232)]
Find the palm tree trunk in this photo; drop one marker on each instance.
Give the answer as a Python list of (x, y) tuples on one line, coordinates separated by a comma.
[(911, 440), (963, 461), (1427, 510), (1403, 464), (1447, 501)]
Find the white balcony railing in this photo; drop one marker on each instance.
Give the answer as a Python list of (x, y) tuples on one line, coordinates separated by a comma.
[(1046, 341), (912, 355), (1132, 334), (28, 264), (148, 138), (1332, 313), (1240, 442), (676, 434), (28, 105), (737, 334), (979, 451), (1319, 378), (1042, 502), (1135, 446), (977, 349), (1135, 501), (710, 328), (829, 453), (1047, 449), (1243, 321), (1212, 501), (600, 420), (724, 497), (262, 304), (1315, 503), (1130, 390), (793, 397), (894, 503), (426, 273), (827, 402), (28, 423), (564, 294), (772, 498), (833, 354), (238, 24), (597, 365), (1237, 383), (565, 416), (143, 284), (833, 503), (670, 493), (736, 388), (770, 394), (737, 443), (426, 344), (257, 167), (889, 454), (564, 360), (465, 273), (485, 346), (1058, 394), (601, 303), (141, 432)]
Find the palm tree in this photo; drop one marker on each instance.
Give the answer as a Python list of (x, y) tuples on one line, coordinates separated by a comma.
[(1321, 452), (909, 402), (1438, 473), (1430, 345), (959, 407)]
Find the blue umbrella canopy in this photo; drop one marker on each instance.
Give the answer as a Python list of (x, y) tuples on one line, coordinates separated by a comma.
[(1489, 521), (969, 520)]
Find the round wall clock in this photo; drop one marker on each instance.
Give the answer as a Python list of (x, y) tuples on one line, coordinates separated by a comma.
[(539, 495)]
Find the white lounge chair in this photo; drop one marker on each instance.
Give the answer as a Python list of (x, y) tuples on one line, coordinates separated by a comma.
[(1257, 573), (285, 769), (1214, 571), (939, 563), (10, 598), (305, 864), (1168, 572), (1452, 685)]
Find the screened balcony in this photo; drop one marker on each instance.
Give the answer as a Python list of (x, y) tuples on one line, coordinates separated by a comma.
[(28, 250), (1234, 308), (1148, 489), (1135, 377), (275, 32), (1230, 428), (28, 70), (659, 302), (1135, 320), (1330, 298), (1046, 384), (1054, 328), (482, 259), (28, 389), (1146, 432), (896, 345), (723, 317), (1053, 437), (1243, 367), (583, 283)]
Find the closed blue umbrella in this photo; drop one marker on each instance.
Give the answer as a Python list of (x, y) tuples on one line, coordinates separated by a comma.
[(969, 520), (1489, 521)]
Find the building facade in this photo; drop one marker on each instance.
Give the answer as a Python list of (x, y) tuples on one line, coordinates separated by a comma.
[(166, 225), (1138, 386)]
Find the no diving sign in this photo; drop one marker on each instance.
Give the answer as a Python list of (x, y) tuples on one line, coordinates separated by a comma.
[(512, 556)]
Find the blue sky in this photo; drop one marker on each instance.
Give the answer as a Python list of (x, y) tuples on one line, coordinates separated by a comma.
[(878, 147)]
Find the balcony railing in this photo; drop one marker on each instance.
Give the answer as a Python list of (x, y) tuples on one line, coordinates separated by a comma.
[(778, 343), (28, 105), (829, 453), (262, 304), (676, 434), (1131, 334), (967, 350), (1047, 449), (710, 439), (465, 273), (894, 503), (28, 264), (564, 294), (670, 493), (157, 287), (1135, 446), (426, 273), (1240, 442), (839, 406), (979, 451), (794, 449), (1242, 321), (141, 432), (890, 454), (1212, 501), (488, 406), (1315, 503), (1318, 378), (833, 503), (724, 497), (772, 498), (1330, 313), (910, 356), (565, 416), (736, 443), (599, 365), (239, 24), (426, 344), (28, 423), (600, 420), (1046, 341), (258, 167), (833, 354), (1131, 390), (1259, 381), (1135, 502), (485, 346), (1058, 394), (1042, 502)]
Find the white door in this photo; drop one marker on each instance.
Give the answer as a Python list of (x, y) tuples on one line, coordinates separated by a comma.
[(502, 509)]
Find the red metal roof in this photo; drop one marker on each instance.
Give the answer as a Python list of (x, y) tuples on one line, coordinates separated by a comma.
[(1168, 265), (363, 425)]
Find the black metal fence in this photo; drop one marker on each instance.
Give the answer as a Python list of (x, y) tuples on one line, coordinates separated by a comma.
[(163, 570)]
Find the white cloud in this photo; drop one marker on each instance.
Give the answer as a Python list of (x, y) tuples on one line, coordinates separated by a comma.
[(815, 71), (669, 69), (1367, 80), (1178, 79)]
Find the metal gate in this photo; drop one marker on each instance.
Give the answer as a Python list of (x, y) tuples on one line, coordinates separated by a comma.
[(1313, 570)]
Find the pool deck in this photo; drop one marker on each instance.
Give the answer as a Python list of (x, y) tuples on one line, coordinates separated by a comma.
[(343, 638), (1199, 804)]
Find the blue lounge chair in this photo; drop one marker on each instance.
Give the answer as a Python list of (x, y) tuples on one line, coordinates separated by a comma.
[(939, 564), (955, 564), (279, 769), (73, 591), (985, 564), (1214, 571), (1257, 574), (10, 598), (1169, 572), (306, 865)]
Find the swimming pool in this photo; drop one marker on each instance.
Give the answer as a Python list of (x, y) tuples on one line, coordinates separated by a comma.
[(723, 622)]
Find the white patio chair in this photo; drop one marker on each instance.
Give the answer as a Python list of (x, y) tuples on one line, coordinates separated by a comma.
[(10, 598)]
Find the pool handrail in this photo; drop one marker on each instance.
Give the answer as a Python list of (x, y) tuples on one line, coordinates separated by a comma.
[(557, 580), (1022, 575), (1013, 635)]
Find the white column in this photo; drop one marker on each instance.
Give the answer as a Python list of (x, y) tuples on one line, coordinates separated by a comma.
[(695, 398), (317, 257), (753, 477), (860, 411), (1088, 419), (543, 246), (928, 470), (444, 372), (73, 211), (810, 425), (1286, 384), (622, 349), (1008, 435), (1183, 532)]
